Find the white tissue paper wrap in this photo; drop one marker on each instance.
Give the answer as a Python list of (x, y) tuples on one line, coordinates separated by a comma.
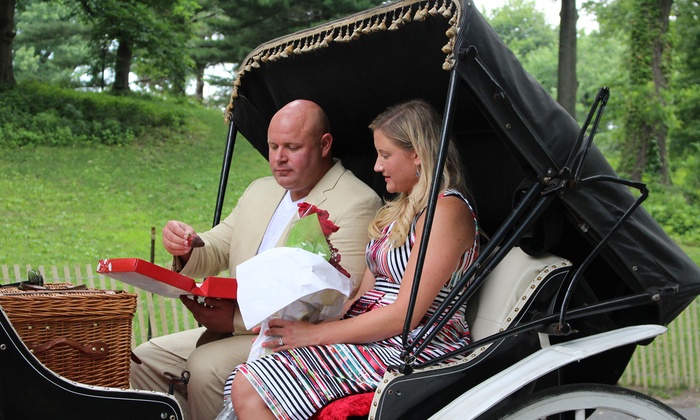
[(288, 283)]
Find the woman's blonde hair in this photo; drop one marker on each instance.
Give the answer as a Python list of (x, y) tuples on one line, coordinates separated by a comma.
[(415, 125)]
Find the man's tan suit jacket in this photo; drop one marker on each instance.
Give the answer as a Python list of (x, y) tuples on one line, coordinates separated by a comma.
[(351, 205)]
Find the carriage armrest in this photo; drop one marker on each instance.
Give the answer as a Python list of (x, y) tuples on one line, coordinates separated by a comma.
[(493, 306)]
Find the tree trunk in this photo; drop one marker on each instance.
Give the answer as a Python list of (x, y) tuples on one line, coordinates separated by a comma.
[(179, 83), (199, 92), (7, 36), (639, 143), (567, 84), (122, 66), (645, 148), (660, 60)]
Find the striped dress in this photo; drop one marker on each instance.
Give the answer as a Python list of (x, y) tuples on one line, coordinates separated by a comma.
[(298, 382)]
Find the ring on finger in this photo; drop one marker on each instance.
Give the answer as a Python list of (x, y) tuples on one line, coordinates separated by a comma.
[(280, 342)]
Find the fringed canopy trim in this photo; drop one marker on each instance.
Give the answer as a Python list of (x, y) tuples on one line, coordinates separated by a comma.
[(390, 17)]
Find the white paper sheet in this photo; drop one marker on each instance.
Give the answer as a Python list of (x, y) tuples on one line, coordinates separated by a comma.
[(288, 283)]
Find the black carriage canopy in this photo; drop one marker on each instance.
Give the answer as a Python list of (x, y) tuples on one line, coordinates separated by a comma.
[(510, 132)]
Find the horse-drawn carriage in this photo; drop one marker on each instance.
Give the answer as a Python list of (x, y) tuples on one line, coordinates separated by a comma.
[(575, 273)]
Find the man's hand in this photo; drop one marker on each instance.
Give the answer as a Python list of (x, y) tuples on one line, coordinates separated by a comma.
[(176, 239), (216, 314)]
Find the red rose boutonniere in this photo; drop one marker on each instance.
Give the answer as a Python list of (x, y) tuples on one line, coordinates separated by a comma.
[(311, 233)]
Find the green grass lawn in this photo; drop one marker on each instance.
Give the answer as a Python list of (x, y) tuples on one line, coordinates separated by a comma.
[(77, 205)]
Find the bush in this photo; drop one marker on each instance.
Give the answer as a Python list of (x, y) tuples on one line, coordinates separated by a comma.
[(676, 213), (40, 114)]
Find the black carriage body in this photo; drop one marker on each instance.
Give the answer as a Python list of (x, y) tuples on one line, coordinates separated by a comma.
[(511, 134), (30, 391)]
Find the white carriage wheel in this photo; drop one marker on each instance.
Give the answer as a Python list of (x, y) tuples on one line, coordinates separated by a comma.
[(576, 400)]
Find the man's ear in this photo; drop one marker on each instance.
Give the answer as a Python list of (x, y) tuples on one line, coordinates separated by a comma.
[(326, 142)]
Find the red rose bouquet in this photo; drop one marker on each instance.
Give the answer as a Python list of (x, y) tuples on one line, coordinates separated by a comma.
[(311, 233)]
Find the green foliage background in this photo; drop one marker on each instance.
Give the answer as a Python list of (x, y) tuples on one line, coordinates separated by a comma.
[(78, 202), (74, 196), (84, 175), (39, 114)]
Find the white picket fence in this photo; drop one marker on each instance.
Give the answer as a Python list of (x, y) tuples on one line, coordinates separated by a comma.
[(670, 362)]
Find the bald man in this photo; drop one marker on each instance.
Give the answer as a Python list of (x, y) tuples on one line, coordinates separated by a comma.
[(303, 170)]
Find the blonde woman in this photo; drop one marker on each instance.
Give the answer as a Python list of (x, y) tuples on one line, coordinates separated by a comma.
[(314, 364)]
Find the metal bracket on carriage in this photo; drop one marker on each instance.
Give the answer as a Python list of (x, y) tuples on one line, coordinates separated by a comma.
[(558, 180), (657, 292), (558, 329), (183, 379), (569, 176), (406, 367), (468, 53)]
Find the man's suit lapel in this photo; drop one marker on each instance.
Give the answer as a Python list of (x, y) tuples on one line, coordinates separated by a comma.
[(265, 207), (317, 196)]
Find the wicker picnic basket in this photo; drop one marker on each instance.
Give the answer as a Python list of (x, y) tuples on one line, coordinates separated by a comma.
[(81, 334)]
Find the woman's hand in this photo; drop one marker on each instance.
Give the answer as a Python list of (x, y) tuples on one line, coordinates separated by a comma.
[(291, 334)]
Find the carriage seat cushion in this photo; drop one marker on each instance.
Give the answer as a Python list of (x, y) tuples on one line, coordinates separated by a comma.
[(489, 308), (347, 408)]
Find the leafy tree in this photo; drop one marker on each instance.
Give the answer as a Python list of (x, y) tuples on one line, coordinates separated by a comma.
[(601, 62), (166, 63), (534, 41), (526, 32), (644, 24), (685, 135), (252, 22), (228, 30), (152, 32), (205, 44), (51, 44), (647, 124), (687, 30), (542, 64), (522, 27)]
